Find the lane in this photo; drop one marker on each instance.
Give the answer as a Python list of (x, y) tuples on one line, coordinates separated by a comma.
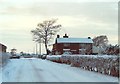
[(28, 73), (56, 72), (37, 70), (20, 70)]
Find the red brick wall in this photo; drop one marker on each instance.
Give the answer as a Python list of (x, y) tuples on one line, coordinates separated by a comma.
[(58, 48), (2, 48), (74, 48)]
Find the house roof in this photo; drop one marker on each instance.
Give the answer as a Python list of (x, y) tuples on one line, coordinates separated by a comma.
[(74, 40), (2, 44)]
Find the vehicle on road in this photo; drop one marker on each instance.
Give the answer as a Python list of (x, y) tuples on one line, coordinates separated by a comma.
[(27, 56), (14, 57), (43, 56)]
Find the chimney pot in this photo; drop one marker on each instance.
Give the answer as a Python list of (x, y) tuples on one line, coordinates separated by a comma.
[(58, 36), (89, 37), (65, 36)]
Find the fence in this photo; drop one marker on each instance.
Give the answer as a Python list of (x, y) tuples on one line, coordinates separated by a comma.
[(108, 65)]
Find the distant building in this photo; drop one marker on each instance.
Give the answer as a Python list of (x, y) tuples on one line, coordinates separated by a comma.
[(13, 51), (68, 45), (2, 48)]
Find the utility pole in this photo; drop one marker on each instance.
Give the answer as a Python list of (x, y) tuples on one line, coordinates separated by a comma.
[(36, 49), (33, 51), (40, 48)]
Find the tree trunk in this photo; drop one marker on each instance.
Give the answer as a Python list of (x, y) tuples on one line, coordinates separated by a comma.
[(46, 42), (46, 48)]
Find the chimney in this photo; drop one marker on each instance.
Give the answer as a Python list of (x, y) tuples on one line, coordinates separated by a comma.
[(65, 36), (89, 37), (58, 36)]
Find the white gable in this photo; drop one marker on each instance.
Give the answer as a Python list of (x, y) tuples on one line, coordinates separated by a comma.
[(74, 40)]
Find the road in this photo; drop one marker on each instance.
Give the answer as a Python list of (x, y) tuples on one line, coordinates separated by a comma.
[(38, 70)]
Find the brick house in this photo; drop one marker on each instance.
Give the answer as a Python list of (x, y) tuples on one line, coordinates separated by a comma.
[(68, 45), (2, 48)]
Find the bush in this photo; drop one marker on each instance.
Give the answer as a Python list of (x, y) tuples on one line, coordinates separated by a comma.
[(105, 64)]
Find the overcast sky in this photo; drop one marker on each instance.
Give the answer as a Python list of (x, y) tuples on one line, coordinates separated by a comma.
[(79, 18)]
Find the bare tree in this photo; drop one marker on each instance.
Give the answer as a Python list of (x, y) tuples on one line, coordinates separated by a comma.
[(101, 42), (112, 49), (45, 32)]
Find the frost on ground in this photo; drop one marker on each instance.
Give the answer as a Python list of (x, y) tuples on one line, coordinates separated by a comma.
[(37, 70), (0, 75)]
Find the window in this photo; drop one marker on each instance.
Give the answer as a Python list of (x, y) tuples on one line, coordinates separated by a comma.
[(82, 46), (82, 51), (66, 44), (66, 51), (57, 53)]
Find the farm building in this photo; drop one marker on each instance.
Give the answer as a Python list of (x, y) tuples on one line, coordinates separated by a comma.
[(2, 54), (68, 45), (2, 48)]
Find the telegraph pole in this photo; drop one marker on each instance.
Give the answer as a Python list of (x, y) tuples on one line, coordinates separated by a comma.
[(36, 49), (40, 48)]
